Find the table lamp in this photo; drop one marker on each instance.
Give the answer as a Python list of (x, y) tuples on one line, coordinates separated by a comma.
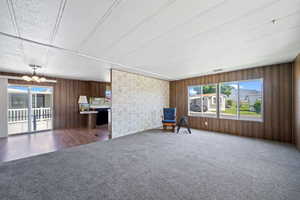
[(82, 100)]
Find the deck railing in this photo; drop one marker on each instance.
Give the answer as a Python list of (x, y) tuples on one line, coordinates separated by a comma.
[(21, 115)]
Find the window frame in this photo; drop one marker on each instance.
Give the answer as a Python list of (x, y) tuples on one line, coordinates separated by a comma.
[(188, 100), (201, 114), (262, 100), (218, 90), (236, 117)]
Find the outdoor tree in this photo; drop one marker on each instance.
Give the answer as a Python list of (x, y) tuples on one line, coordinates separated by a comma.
[(226, 89), (257, 106), (207, 89)]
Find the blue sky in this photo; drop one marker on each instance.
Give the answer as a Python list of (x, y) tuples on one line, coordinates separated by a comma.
[(248, 85), (23, 88), (251, 85)]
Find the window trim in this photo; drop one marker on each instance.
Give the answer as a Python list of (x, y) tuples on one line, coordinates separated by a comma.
[(262, 99), (218, 90), (236, 117), (201, 114), (188, 100)]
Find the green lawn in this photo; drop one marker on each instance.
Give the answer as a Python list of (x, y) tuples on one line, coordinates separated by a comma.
[(232, 110)]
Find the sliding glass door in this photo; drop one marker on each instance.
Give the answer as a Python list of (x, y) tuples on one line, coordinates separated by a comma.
[(18, 103), (41, 108), (29, 109)]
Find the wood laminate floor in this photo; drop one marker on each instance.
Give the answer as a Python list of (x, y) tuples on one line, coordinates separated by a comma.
[(26, 145)]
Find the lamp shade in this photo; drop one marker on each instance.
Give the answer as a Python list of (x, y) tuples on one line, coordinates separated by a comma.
[(83, 100)]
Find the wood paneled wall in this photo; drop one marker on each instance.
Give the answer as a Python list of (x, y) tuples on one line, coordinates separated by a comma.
[(296, 101), (65, 99), (66, 94), (277, 110)]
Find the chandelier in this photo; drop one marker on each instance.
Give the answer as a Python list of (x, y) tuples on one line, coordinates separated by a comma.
[(34, 76)]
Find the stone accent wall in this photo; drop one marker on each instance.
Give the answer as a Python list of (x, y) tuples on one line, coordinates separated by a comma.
[(137, 102), (296, 101)]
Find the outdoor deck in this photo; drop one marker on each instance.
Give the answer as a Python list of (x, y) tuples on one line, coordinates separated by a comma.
[(18, 120)]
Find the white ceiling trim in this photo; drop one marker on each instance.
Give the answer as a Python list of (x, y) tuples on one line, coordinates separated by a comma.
[(173, 28), (111, 65), (58, 20), (12, 14), (100, 22), (166, 39), (249, 41), (145, 20), (249, 13), (185, 40), (56, 27)]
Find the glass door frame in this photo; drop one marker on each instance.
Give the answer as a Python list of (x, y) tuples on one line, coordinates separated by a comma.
[(30, 113)]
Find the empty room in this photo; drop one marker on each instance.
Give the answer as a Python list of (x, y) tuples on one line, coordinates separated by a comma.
[(149, 99)]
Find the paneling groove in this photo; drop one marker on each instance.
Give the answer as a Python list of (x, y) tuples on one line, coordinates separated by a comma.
[(277, 123)]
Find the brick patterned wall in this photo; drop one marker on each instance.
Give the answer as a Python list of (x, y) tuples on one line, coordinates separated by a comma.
[(137, 102)]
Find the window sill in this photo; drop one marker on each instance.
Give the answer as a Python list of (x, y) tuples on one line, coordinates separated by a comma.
[(204, 116), (215, 117)]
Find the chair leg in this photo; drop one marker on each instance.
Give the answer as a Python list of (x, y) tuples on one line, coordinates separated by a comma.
[(178, 128), (188, 127)]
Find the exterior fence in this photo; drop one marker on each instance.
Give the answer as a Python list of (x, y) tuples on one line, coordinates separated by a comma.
[(21, 115)]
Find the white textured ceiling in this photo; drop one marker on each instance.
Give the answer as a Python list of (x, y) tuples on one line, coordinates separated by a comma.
[(169, 39)]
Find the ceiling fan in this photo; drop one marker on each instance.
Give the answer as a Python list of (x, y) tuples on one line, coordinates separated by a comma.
[(34, 76)]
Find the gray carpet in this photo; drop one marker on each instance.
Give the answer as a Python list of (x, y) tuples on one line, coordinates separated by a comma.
[(156, 165)]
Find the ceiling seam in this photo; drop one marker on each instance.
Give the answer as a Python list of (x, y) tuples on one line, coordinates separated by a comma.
[(77, 53), (146, 19), (13, 18), (99, 23), (58, 20), (279, 19), (59, 16), (238, 66), (275, 33), (217, 26), (251, 40), (244, 66), (176, 26), (251, 12)]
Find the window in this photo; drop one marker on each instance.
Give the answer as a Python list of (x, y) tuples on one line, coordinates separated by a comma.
[(202, 100), (195, 101), (209, 93), (241, 100), (228, 100), (250, 100)]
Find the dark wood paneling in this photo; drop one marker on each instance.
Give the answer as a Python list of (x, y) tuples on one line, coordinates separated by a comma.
[(277, 123), (173, 91), (66, 106), (65, 99), (296, 101)]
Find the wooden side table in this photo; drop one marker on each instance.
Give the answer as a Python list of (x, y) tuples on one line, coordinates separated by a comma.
[(91, 118)]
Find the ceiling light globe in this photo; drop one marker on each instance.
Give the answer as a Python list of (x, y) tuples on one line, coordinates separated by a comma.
[(42, 79), (26, 78), (35, 78)]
